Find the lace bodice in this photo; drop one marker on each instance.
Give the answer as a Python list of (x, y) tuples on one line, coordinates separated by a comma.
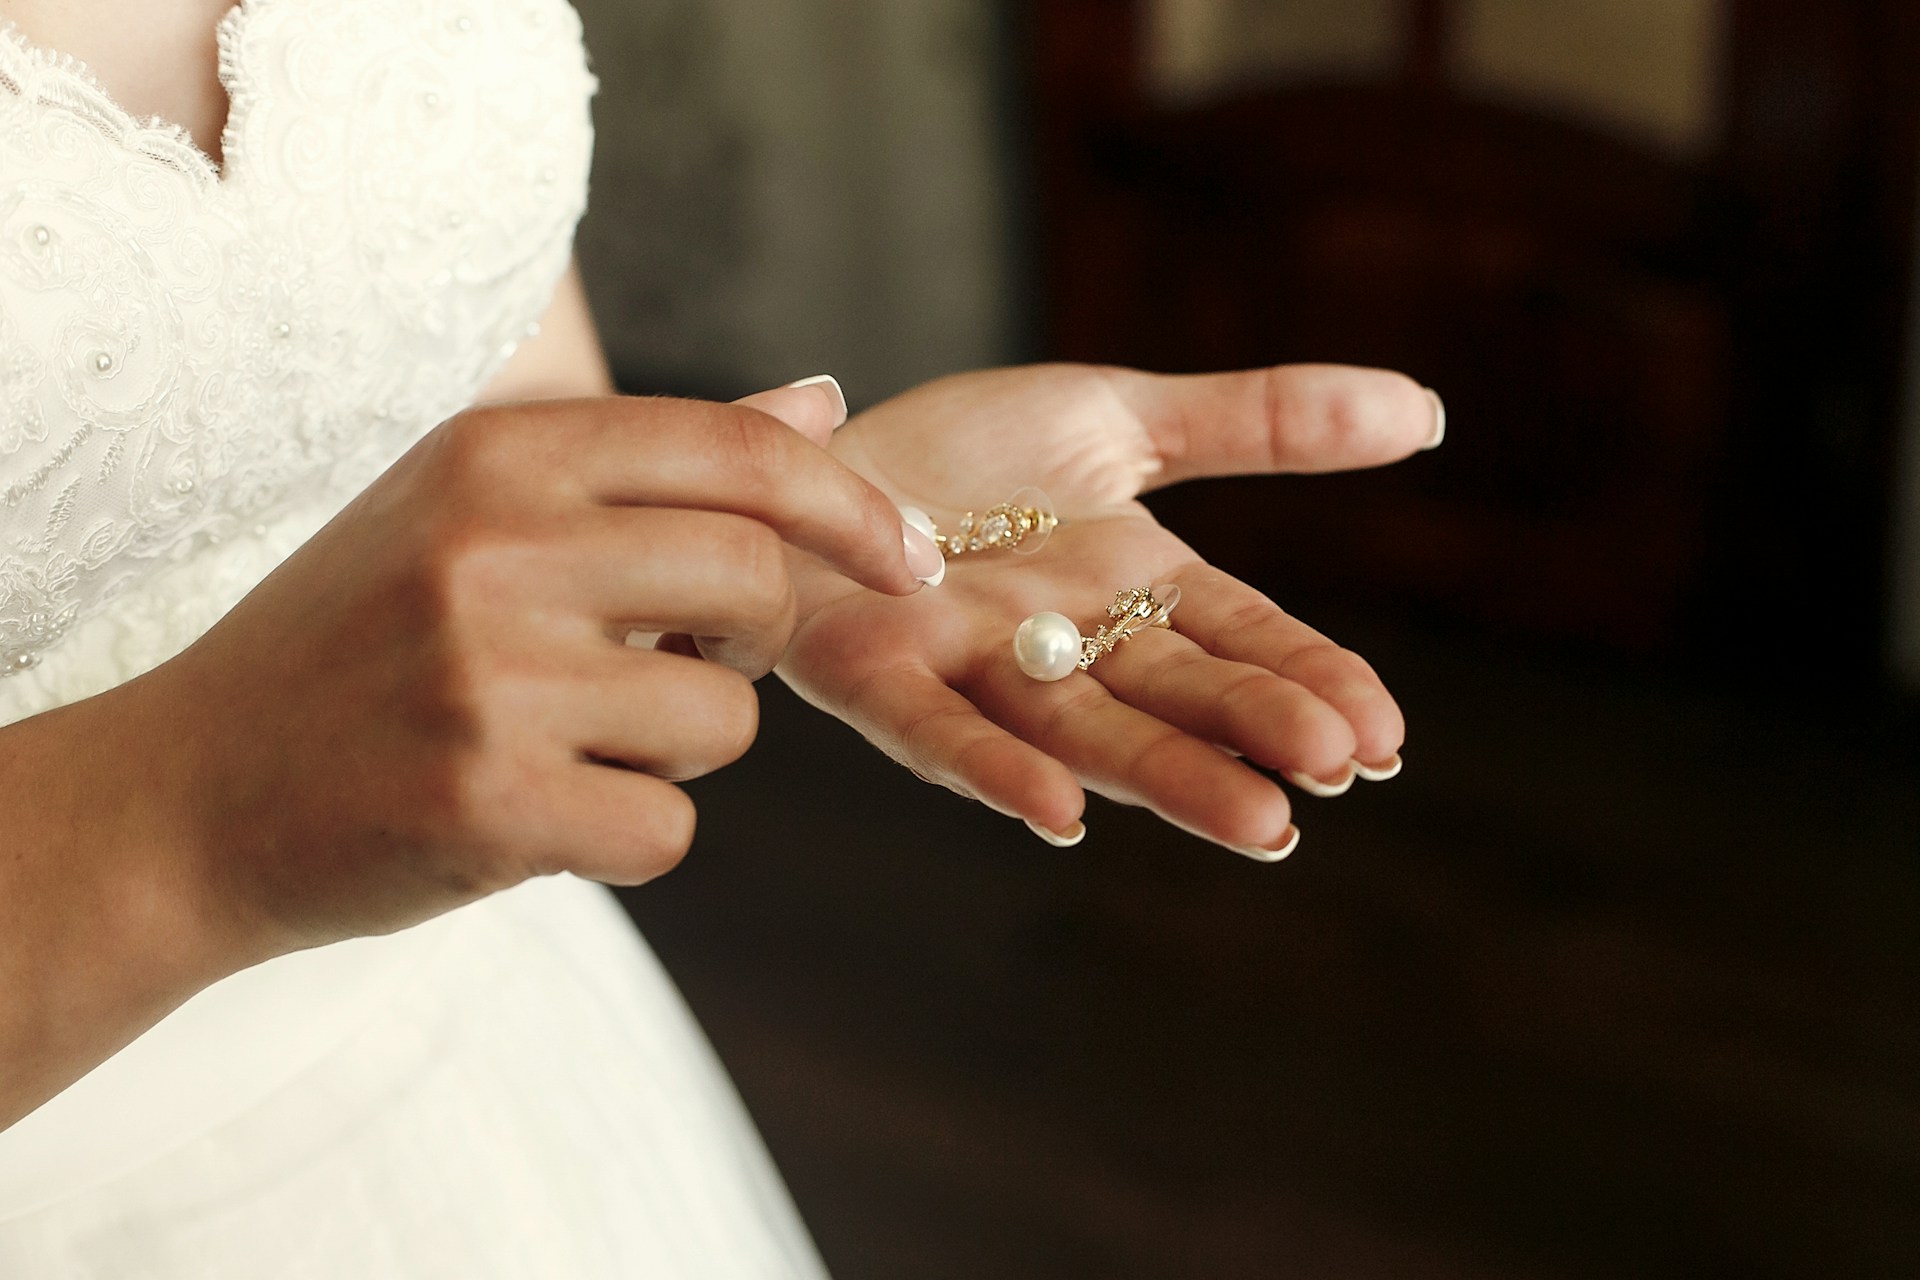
[(199, 364)]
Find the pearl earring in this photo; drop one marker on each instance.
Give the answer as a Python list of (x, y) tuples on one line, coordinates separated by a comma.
[(1048, 646)]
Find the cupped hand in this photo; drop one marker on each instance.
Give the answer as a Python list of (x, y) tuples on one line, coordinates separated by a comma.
[(1175, 721)]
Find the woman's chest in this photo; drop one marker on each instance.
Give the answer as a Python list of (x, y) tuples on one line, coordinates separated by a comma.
[(154, 57)]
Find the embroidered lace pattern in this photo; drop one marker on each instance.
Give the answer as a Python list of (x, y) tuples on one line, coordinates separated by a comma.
[(200, 363)]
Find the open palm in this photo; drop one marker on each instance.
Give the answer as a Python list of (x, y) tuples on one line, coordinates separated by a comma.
[(931, 679)]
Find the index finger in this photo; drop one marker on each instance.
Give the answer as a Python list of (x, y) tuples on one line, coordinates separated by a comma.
[(734, 458)]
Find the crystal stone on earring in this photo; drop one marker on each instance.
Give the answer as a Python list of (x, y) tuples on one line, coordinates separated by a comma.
[(1021, 525)]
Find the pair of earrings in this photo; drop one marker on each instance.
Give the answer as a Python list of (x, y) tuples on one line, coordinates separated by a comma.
[(1049, 646)]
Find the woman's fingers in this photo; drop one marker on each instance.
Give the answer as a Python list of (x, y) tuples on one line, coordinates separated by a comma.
[(1295, 418), (1231, 620), (713, 457), (706, 574), (658, 713), (1274, 722), (610, 825), (1136, 758), (914, 716)]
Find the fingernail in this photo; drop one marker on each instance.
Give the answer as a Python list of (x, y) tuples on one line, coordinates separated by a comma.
[(1274, 855), (1325, 790), (1380, 772), (924, 560), (832, 386), (1072, 836), (1439, 419)]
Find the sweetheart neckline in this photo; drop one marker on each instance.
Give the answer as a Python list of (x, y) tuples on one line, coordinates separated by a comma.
[(217, 174)]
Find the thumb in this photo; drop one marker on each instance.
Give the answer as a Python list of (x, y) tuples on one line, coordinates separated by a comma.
[(1293, 418)]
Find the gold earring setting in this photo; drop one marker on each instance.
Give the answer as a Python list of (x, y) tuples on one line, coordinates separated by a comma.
[(1020, 524)]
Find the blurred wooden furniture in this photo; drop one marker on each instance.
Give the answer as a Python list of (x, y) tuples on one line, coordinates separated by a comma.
[(1674, 380)]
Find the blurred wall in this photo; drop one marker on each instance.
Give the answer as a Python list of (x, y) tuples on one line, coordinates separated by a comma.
[(1644, 68), (791, 187)]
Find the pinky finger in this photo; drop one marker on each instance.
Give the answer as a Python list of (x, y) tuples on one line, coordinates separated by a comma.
[(915, 717)]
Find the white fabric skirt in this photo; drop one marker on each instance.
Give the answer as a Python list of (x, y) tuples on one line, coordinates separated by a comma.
[(513, 1090)]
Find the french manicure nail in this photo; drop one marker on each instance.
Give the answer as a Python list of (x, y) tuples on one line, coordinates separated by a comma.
[(1072, 836), (1439, 419), (832, 384), (1274, 855), (1380, 772), (1324, 790), (924, 560)]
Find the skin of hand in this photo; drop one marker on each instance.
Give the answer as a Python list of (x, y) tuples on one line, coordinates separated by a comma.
[(1173, 721), (431, 701)]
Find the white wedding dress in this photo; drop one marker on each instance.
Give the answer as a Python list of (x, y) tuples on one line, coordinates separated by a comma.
[(199, 365)]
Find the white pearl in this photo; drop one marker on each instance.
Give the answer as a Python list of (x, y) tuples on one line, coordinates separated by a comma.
[(1047, 646)]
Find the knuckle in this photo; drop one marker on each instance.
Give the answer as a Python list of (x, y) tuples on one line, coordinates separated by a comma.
[(1160, 755), (1332, 665), (929, 736), (474, 805), (1345, 419), (876, 521), (1080, 703), (469, 566), (477, 445), (757, 568), (750, 449), (1248, 618)]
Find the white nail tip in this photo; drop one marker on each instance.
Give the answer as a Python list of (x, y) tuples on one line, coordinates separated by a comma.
[(826, 380), (1385, 773), (1439, 419), (1072, 837), (1273, 855), (1324, 790), (921, 521)]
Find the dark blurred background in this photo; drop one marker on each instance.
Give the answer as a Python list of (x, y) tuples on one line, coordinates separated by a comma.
[(1622, 977)]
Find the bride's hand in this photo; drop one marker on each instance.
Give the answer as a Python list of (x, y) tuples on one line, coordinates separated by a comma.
[(432, 700), (933, 682)]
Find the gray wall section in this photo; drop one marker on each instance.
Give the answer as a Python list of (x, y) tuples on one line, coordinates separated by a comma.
[(792, 187)]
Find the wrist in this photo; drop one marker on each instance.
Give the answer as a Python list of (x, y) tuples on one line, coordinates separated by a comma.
[(104, 927), (117, 804)]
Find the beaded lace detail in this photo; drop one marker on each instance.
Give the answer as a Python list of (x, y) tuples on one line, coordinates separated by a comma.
[(200, 363)]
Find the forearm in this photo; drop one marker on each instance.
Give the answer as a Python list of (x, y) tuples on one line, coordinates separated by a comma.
[(100, 935)]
